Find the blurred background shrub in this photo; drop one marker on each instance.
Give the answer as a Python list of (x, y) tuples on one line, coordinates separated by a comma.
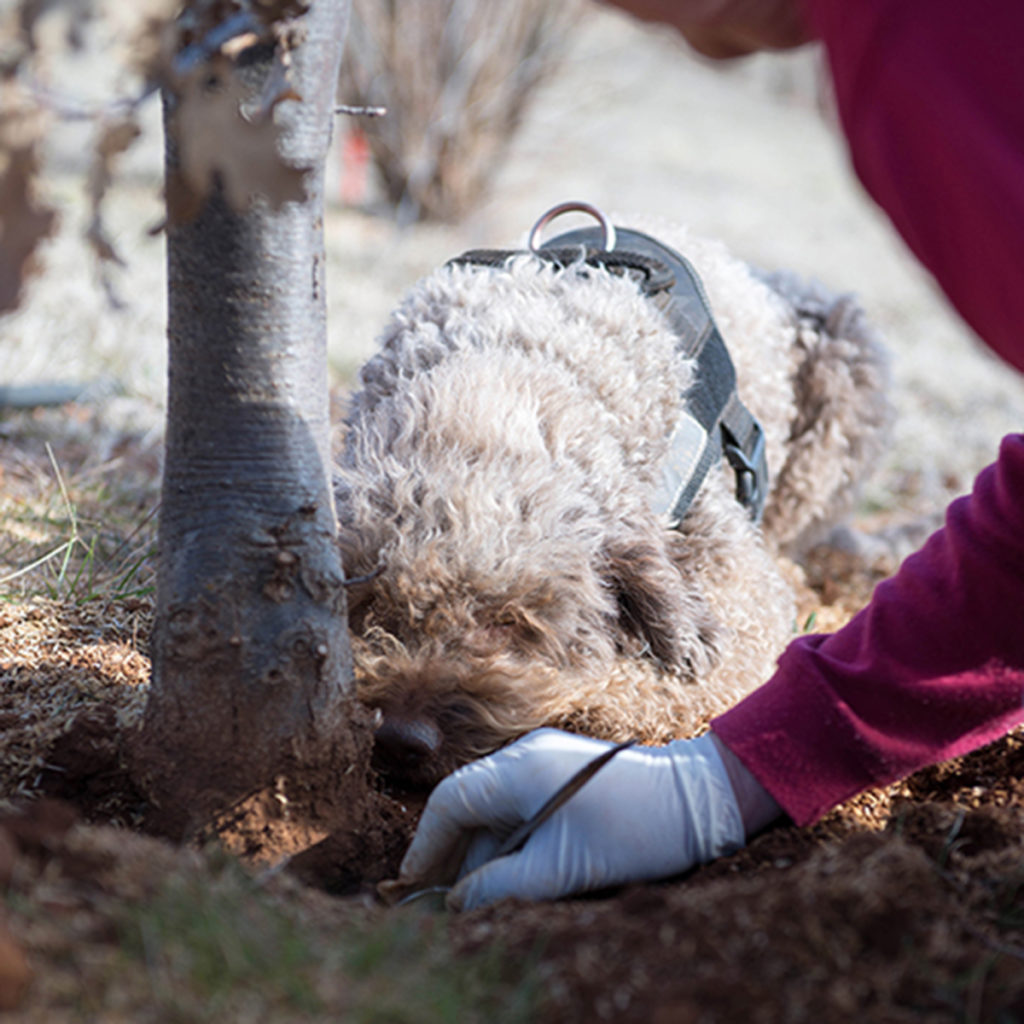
[(455, 77)]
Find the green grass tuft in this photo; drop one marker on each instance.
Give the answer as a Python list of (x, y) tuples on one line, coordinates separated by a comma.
[(74, 539), (215, 945)]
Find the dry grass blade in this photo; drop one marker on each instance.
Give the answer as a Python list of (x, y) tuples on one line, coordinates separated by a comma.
[(61, 549), (77, 510)]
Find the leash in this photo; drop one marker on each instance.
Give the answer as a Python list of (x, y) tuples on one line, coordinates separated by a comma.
[(715, 423)]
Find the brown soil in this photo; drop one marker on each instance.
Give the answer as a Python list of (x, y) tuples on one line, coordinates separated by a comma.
[(905, 904)]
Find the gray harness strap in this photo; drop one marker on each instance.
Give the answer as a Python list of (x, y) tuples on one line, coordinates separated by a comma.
[(715, 423)]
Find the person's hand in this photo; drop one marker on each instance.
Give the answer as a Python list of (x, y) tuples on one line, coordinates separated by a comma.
[(728, 28), (649, 813)]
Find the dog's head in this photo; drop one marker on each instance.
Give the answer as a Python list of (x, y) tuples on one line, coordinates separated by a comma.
[(459, 666)]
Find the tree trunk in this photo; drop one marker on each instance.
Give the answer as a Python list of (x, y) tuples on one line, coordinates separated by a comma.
[(251, 663)]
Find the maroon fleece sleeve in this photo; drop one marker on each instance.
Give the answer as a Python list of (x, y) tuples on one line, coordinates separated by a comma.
[(931, 97), (933, 667)]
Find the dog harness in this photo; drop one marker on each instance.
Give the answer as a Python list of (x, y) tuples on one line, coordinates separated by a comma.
[(715, 423)]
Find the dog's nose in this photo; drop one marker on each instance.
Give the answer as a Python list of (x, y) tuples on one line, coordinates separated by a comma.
[(404, 743)]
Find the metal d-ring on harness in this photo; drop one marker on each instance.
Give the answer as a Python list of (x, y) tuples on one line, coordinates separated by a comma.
[(715, 423)]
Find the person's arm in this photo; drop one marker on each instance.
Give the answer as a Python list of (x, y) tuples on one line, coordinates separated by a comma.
[(929, 94), (929, 97), (932, 668)]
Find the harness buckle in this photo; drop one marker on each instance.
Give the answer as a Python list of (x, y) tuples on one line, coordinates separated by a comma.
[(748, 482)]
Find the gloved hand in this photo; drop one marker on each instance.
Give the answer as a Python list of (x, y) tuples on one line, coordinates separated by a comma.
[(649, 813)]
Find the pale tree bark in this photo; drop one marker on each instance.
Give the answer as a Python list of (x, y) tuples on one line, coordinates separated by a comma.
[(251, 664)]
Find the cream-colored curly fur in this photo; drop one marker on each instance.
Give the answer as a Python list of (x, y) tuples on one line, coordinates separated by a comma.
[(495, 488)]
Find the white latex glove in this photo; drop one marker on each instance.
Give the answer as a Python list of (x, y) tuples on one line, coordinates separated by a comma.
[(649, 813)]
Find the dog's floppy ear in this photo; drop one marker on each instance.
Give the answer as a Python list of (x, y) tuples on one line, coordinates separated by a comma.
[(658, 607)]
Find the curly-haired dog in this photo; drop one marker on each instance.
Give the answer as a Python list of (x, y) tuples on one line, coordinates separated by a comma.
[(494, 496)]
